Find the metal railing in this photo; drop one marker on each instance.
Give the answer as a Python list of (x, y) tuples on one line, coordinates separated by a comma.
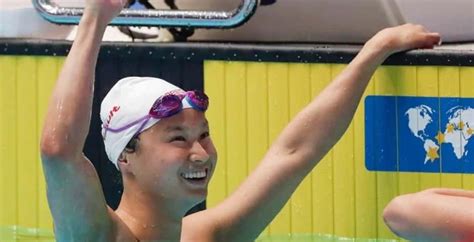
[(164, 18)]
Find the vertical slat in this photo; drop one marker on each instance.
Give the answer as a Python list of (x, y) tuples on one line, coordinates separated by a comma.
[(344, 195), (277, 120), (47, 75), (365, 181), (27, 150), (236, 128), (299, 96), (387, 182), (408, 182), (322, 176), (257, 118), (8, 141), (449, 87), (467, 90), (214, 85), (427, 79)]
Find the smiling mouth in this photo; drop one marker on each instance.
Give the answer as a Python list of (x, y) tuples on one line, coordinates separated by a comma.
[(195, 176)]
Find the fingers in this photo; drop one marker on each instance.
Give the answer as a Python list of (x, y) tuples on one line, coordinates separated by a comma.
[(429, 40)]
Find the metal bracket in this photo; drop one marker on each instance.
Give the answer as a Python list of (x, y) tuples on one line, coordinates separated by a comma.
[(164, 18)]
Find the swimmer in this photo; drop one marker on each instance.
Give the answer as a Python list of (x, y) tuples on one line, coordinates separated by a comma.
[(436, 214), (160, 141)]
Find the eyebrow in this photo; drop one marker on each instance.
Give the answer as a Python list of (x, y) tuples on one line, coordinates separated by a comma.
[(172, 128)]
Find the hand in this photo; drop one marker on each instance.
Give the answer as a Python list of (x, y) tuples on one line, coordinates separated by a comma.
[(105, 10), (404, 37)]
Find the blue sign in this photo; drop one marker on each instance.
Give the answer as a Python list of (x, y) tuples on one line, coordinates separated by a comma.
[(419, 134)]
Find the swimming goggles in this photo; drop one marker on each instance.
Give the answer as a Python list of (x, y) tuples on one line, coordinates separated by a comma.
[(167, 106)]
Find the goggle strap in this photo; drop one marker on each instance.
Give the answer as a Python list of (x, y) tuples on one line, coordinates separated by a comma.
[(128, 125)]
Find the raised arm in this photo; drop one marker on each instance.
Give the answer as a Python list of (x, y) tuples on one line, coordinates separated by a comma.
[(74, 192), (310, 135), (433, 215)]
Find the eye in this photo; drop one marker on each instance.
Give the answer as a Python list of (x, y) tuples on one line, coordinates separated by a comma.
[(204, 135), (177, 138)]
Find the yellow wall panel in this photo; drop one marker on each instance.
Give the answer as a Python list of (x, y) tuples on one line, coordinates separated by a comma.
[(27, 150), (215, 86), (8, 142), (236, 127), (25, 86)]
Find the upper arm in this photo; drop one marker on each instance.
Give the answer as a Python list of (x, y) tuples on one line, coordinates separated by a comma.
[(76, 200)]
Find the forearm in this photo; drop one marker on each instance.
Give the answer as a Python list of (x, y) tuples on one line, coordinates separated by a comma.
[(68, 115), (432, 216), (321, 124)]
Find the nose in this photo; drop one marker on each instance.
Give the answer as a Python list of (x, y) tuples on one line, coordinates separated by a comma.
[(199, 153)]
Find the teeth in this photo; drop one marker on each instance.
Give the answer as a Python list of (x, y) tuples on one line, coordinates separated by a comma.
[(191, 175)]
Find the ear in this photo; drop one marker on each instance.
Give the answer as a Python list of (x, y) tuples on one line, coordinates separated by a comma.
[(123, 162)]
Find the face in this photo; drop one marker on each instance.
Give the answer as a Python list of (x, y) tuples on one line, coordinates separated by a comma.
[(175, 158)]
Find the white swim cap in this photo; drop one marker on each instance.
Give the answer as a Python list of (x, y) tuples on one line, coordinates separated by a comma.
[(129, 100)]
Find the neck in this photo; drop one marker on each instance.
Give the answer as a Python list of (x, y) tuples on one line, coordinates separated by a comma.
[(150, 218)]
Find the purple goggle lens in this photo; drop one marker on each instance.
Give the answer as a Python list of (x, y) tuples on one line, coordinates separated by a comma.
[(171, 104)]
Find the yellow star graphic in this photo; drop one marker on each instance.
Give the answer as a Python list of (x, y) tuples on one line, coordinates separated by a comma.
[(470, 131), (461, 125), (450, 128), (440, 137), (432, 153)]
